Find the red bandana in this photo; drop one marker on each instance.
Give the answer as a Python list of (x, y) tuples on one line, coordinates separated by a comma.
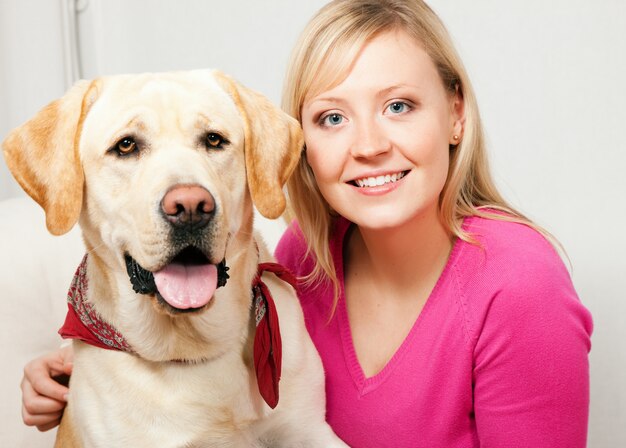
[(82, 322), (268, 348)]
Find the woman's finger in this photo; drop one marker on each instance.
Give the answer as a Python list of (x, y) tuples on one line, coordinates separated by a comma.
[(37, 381), (43, 422)]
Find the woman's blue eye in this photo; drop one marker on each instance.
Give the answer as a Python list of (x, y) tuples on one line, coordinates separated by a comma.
[(398, 107), (332, 119)]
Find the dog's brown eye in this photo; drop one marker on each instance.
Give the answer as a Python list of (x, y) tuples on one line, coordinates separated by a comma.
[(126, 146), (214, 140)]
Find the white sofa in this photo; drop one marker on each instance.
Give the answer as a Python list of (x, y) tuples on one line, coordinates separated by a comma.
[(35, 272)]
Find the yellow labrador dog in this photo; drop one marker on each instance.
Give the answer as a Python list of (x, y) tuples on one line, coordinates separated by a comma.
[(162, 171)]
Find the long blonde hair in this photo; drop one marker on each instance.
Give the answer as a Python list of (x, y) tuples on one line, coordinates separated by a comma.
[(322, 59)]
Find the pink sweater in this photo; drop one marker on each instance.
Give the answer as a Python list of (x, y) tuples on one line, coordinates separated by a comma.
[(497, 358)]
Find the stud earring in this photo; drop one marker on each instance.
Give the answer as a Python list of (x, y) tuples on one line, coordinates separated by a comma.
[(455, 137)]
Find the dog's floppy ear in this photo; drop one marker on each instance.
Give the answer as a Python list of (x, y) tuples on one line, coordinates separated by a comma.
[(273, 143), (43, 156)]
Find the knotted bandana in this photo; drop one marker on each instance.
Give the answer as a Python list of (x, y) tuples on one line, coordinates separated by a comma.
[(268, 349)]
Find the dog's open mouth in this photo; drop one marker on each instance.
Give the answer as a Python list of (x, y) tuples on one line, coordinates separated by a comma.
[(185, 284)]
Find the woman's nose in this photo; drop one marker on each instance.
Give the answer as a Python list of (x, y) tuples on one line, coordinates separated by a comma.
[(370, 139)]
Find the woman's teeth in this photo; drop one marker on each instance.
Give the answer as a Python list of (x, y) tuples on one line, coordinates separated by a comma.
[(379, 180)]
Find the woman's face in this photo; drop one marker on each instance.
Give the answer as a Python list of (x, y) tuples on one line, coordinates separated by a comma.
[(378, 143)]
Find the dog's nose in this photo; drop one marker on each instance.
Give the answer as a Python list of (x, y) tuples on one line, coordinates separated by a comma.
[(188, 205)]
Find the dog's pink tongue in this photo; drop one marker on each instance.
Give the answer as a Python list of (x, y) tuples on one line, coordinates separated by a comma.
[(186, 287)]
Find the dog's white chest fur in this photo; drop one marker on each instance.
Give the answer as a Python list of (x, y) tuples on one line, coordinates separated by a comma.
[(132, 404)]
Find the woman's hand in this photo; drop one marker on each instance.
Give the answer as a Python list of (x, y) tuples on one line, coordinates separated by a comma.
[(44, 397)]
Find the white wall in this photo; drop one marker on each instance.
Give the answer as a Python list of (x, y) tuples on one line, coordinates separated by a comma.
[(31, 71), (549, 78)]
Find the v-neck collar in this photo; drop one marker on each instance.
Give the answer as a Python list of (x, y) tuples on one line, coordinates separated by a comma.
[(367, 384)]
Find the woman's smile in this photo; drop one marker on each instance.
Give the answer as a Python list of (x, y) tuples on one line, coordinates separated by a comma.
[(378, 180)]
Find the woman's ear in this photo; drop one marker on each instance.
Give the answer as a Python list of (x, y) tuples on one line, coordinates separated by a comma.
[(457, 111)]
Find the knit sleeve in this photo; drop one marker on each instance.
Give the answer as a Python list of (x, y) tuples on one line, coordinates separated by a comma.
[(531, 370)]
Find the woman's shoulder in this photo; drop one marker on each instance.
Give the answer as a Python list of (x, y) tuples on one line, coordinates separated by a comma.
[(512, 243), (293, 253), (291, 250), (514, 274), (511, 258)]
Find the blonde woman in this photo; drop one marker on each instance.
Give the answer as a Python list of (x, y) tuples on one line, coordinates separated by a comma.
[(444, 318)]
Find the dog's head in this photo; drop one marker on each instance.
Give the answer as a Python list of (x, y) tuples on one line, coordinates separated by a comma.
[(161, 170)]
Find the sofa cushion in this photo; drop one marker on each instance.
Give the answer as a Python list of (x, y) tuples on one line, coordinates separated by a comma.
[(35, 271)]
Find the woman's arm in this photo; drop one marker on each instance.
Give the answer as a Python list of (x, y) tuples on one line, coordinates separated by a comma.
[(531, 368)]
